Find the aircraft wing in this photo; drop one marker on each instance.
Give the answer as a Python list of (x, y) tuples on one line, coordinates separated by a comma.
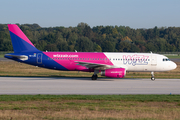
[(94, 65)]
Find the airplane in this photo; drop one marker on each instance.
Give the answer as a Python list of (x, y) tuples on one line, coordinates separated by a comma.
[(109, 64)]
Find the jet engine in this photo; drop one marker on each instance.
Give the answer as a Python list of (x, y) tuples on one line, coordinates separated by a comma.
[(114, 72)]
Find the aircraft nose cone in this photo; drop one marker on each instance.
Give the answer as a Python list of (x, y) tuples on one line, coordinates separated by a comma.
[(174, 66)]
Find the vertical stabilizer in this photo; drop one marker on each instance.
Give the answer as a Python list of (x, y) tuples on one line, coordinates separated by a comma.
[(19, 40)]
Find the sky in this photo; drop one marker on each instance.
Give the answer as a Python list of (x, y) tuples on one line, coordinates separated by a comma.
[(52, 13)]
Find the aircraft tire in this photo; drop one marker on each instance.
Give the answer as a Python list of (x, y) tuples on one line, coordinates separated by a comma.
[(153, 78)]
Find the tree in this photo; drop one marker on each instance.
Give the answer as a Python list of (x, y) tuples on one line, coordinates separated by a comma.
[(97, 48), (83, 44), (114, 32), (51, 47), (161, 44), (87, 32), (151, 47), (107, 46), (82, 25), (98, 38), (62, 45), (124, 46)]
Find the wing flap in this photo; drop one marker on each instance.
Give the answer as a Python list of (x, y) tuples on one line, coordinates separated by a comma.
[(94, 65)]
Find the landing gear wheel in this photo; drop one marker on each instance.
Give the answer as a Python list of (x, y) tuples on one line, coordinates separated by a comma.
[(94, 77), (153, 78)]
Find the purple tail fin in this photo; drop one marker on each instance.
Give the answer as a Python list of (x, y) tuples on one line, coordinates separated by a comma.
[(19, 40)]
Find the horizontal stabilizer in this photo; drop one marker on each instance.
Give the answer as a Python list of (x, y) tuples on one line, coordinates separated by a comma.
[(21, 57)]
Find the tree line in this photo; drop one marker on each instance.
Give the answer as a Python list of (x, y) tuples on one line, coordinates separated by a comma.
[(83, 38)]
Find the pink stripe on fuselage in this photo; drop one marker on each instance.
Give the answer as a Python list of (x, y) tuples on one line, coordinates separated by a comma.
[(69, 59), (17, 31)]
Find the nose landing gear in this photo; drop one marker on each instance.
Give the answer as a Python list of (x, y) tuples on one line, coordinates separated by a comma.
[(152, 76)]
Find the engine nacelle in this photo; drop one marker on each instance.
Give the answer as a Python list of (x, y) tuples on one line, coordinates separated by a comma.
[(114, 73)]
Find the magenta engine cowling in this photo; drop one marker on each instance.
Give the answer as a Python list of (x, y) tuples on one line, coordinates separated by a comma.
[(114, 72)]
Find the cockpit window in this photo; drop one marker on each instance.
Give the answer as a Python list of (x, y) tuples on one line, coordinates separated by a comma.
[(166, 59)]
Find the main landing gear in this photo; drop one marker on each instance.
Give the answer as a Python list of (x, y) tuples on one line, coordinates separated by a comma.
[(94, 76), (152, 76)]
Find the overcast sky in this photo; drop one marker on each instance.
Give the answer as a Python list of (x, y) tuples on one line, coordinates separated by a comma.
[(132, 13)]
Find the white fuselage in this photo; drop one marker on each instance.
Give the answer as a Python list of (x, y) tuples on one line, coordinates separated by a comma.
[(141, 62)]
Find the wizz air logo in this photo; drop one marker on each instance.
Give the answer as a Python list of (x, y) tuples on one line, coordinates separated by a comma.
[(135, 59)]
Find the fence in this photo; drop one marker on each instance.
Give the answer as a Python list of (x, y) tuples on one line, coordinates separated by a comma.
[(4, 52), (164, 53), (170, 53)]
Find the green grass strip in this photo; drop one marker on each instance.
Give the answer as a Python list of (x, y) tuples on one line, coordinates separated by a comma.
[(140, 98), (1, 56)]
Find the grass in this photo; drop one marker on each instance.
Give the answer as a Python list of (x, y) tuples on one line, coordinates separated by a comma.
[(1, 56), (98, 107), (120, 98), (11, 68), (2, 53), (173, 57)]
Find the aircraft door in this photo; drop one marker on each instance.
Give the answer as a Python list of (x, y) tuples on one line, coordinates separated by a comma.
[(153, 60), (39, 58)]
